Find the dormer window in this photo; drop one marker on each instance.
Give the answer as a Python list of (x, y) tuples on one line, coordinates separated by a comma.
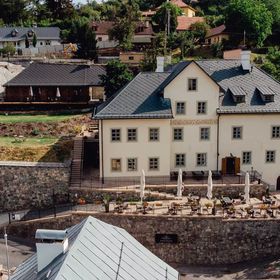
[(14, 33), (30, 33), (140, 29), (238, 94), (266, 93), (94, 28)]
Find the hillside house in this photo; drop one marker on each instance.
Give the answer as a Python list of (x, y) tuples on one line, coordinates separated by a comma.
[(217, 35), (221, 115)]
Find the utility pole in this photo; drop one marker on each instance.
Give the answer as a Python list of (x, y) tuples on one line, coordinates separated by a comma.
[(7, 252)]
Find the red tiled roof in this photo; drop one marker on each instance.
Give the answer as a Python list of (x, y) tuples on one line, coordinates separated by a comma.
[(216, 31), (184, 22), (181, 4), (103, 27)]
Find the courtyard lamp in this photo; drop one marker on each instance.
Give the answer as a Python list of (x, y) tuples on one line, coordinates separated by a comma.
[(180, 185), (247, 188), (142, 185), (31, 94), (209, 185), (58, 95)]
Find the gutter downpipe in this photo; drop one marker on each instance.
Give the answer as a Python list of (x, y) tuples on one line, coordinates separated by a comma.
[(218, 141), (102, 160)]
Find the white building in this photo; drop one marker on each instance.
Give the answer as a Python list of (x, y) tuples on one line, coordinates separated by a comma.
[(46, 36), (204, 115)]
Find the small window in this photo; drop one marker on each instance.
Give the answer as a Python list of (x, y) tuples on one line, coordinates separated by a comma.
[(41, 43), (237, 132), (154, 134), (154, 163), (132, 164), (131, 57), (247, 157), (276, 132), (270, 156), (204, 133), (239, 99), (132, 135), (178, 134), (115, 135), (201, 159), (116, 165), (269, 98), (192, 84), (180, 160), (201, 107), (48, 43), (180, 108), (99, 39)]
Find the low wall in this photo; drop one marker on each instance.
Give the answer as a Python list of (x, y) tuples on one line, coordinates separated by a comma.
[(203, 241), (27, 184)]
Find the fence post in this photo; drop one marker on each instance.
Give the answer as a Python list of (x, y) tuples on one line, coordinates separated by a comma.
[(10, 218)]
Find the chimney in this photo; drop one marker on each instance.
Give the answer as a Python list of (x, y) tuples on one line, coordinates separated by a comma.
[(246, 60), (50, 244), (160, 64)]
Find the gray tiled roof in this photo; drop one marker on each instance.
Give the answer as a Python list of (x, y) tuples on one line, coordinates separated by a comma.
[(42, 33), (99, 251), (137, 99), (50, 74), (229, 74)]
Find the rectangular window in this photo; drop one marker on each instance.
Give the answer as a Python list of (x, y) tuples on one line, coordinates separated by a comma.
[(154, 134), (270, 156), (153, 163), (247, 157), (201, 159), (201, 107), (276, 132), (132, 164), (204, 133), (131, 134), (180, 160), (116, 165), (177, 134), (192, 84), (180, 108), (237, 132), (115, 135)]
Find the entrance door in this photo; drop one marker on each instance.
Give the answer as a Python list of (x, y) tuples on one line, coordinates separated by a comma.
[(230, 165), (278, 184)]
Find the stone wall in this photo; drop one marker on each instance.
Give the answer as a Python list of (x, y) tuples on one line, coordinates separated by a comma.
[(201, 240), (26, 184)]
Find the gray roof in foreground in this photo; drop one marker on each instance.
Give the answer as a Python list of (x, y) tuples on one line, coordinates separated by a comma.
[(94, 253), (42, 33), (51, 74), (137, 99)]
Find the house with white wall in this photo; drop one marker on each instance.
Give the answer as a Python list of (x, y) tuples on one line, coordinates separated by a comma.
[(221, 115)]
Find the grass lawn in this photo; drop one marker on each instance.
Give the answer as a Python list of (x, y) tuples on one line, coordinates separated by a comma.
[(28, 142), (34, 118)]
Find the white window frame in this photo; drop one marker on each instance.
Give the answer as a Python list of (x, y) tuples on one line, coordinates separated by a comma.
[(274, 156), (120, 135), (190, 84), (204, 158), (275, 132), (240, 133), (184, 160), (158, 134), (134, 138), (198, 107), (245, 160), (135, 163), (175, 129), (180, 112), (154, 158), (208, 133)]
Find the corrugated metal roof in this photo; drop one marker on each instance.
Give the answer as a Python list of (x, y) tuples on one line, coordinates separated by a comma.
[(100, 251), (50, 74), (237, 91)]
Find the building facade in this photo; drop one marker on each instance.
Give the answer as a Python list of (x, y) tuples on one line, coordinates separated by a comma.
[(204, 115)]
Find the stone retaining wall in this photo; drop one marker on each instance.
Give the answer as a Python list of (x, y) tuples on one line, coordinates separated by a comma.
[(27, 184), (201, 240)]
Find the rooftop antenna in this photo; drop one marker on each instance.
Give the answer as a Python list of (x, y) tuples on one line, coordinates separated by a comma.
[(7, 252)]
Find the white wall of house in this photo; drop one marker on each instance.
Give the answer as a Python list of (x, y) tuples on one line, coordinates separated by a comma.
[(40, 43), (191, 122), (256, 138), (142, 149)]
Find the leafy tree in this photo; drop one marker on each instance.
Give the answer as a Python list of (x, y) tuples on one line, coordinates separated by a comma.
[(251, 15), (84, 36), (117, 76), (126, 20), (161, 17), (60, 9), (199, 31), (34, 40), (272, 63), (9, 49), (13, 12), (185, 41)]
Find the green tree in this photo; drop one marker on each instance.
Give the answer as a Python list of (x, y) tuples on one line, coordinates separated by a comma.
[(199, 31), (13, 12), (185, 41), (34, 40), (60, 9), (117, 76), (27, 44), (272, 62), (161, 17), (85, 38), (251, 16), (9, 49), (127, 17)]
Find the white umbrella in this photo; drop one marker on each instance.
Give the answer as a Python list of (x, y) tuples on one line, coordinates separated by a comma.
[(142, 185), (209, 185), (58, 95), (31, 92), (180, 185), (247, 188)]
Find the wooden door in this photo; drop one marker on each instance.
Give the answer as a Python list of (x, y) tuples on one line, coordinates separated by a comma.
[(237, 165), (224, 166)]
